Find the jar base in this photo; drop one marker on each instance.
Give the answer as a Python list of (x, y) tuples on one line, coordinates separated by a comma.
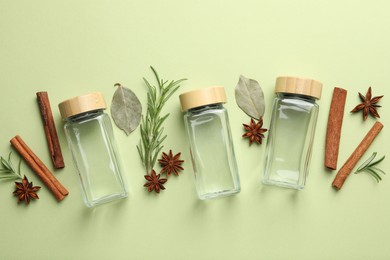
[(106, 199), (283, 184), (219, 194)]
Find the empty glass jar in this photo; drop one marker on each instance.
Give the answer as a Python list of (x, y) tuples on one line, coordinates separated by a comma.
[(90, 138), (207, 125), (291, 133)]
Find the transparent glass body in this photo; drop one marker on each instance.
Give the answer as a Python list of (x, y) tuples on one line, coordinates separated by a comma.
[(92, 144), (290, 140), (212, 151)]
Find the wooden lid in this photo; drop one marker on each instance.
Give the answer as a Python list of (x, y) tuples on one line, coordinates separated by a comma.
[(82, 104), (302, 86), (202, 97)]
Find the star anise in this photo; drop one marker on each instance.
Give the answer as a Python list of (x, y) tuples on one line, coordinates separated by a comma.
[(171, 163), (26, 191), (154, 182), (368, 105), (254, 131)]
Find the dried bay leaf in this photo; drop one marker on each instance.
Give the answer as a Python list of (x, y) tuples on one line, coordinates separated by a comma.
[(126, 109), (250, 97)]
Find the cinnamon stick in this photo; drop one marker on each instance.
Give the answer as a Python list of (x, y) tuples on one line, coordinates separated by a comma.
[(39, 168), (50, 130), (356, 155), (333, 130)]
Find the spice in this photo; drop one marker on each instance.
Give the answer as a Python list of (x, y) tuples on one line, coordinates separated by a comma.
[(368, 105), (8, 171), (170, 163), (152, 124), (250, 97), (356, 155), (126, 109), (333, 130), (39, 168), (50, 130), (370, 167), (154, 182), (254, 131), (26, 191)]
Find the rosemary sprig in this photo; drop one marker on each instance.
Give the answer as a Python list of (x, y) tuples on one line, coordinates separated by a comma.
[(151, 125), (369, 167), (8, 171)]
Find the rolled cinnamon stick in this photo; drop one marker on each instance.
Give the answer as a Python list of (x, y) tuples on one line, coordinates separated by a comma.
[(50, 130), (356, 155), (333, 130), (39, 168)]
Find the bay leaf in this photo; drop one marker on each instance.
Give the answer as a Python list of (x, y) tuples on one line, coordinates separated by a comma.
[(250, 97), (126, 109)]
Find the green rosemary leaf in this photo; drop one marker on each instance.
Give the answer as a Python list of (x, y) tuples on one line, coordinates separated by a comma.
[(20, 163), (171, 93), (11, 165), (8, 171), (151, 90), (142, 122), (140, 152), (8, 177), (161, 120), (156, 154), (164, 82), (150, 100), (5, 163), (367, 166), (157, 142), (161, 140), (367, 162), (373, 173), (145, 144), (375, 177), (156, 75), (173, 84), (379, 170), (376, 162), (143, 130)]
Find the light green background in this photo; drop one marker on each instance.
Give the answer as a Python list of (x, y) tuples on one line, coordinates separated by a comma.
[(72, 47)]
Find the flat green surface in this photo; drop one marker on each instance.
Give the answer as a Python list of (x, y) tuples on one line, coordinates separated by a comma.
[(72, 47)]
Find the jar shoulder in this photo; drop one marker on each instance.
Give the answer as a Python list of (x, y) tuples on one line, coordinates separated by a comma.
[(296, 102), (205, 112), (99, 116)]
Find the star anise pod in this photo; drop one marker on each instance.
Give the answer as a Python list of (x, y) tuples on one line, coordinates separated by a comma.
[(368, 105), (254, 131), (171, 163), (154, 182), (26, 191)]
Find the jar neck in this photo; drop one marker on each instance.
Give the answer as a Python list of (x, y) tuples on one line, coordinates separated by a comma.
[(206, 107), (85, 116), (296, 96)]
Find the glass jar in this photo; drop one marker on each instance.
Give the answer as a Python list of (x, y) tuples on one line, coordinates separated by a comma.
[(212, 153), (91, 141), (291, 133)]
